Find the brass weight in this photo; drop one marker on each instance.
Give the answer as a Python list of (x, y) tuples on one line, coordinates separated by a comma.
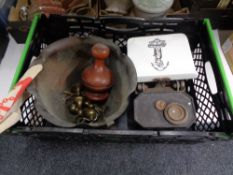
[(79, 106), (90, 113), (73, 108), (79, 101)]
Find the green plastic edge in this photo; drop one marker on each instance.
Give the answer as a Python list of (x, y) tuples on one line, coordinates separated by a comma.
[(220, 64), (206, 22), (25, 51)]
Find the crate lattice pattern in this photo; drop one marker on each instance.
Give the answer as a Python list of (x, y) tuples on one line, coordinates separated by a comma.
[(30, 115), (207, 117), (206, 113)]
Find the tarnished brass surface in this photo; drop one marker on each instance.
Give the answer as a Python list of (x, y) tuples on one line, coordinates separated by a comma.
[(63, 62)]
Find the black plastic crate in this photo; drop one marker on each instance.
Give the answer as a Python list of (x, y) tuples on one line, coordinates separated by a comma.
[(212, 114)]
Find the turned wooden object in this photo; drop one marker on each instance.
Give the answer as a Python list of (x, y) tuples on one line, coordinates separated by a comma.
[(97, 78)]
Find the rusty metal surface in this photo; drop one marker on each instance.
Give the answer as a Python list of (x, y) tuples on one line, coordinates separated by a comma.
[(178, 113)]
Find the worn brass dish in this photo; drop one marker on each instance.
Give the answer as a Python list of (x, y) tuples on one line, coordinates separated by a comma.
[(63, 63)]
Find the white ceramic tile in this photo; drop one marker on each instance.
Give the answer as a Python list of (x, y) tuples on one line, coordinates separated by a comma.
[(174, 63)]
